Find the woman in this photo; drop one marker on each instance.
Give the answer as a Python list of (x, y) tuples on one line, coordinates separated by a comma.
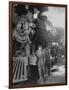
[(33, 68)]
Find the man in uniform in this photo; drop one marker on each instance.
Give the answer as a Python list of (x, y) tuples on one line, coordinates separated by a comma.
[(40, 64)]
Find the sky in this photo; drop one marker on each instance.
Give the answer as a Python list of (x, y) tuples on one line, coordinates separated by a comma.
[(56, 15)]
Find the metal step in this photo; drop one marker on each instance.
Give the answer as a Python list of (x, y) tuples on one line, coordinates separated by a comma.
[(19, 71)]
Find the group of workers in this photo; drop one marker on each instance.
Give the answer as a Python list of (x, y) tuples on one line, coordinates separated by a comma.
[(39, 60)]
